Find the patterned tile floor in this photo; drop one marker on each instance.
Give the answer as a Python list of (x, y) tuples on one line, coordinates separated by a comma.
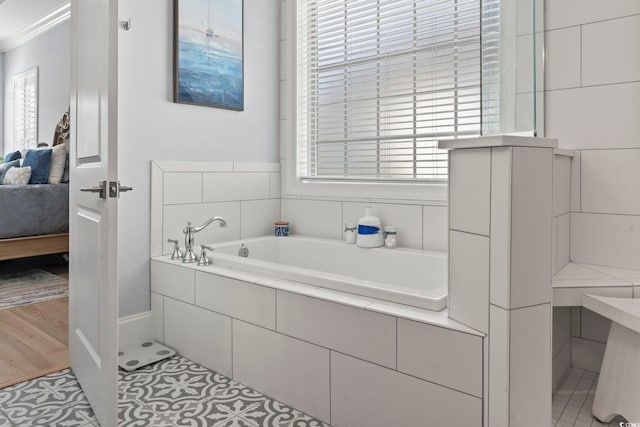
[(573, 401), (174, 392)]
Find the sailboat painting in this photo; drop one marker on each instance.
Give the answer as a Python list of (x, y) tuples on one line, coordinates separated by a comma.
[(208, 53)]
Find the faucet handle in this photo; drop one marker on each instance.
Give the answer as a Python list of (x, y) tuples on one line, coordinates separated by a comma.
[(204, 260), (176, 249)]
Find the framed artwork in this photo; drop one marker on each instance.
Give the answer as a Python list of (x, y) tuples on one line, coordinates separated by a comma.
[(209, 53)]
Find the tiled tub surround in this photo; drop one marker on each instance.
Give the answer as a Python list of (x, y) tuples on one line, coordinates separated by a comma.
[(247, 195), (348, 360), (404, 276)]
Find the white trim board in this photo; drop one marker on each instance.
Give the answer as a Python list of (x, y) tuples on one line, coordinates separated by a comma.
[(134, 329)]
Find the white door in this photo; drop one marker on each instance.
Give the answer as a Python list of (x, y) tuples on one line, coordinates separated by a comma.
[(93, 285)]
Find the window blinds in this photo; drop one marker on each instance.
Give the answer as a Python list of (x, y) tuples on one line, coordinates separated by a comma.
[(25, 90), (380, 82)]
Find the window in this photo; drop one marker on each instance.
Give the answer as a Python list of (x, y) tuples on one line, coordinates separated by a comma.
[(25, 122), (380, 82)]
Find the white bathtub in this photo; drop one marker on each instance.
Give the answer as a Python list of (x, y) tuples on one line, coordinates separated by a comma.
[(404, 276)]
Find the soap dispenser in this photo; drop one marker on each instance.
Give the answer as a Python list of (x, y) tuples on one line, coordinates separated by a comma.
[(369, 231)]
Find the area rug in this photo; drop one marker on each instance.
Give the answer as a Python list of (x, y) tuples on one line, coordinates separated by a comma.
[(21, 288)]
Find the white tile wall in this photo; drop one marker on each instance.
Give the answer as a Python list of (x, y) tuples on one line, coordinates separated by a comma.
[(173, 280), (587, 354), (500, 242), (157, 317), (241, 300), (364, 334), (175, 218), (407, 218), (365, 395), (562, 58), (313, 218), (530, 371), (284, 368), (594, 327), (564, 241), (575, 181), (435, 227), (257, 217), (182, 187), (470, 180), (455, 362), (606, 240), (561, 364), (611, 181), (274, 185), (565, 13), (561, 185), (561, 328), (469, 279), (221, 187), (198, 334), (531, 226), (247, 195), (500, 324), (594, 117), (607, 50), (575, 321)]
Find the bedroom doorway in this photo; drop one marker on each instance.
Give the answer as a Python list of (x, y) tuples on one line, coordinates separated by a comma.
[(34, 240)]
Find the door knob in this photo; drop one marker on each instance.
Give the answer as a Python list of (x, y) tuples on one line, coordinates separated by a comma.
[(101, 189), (115, 189)]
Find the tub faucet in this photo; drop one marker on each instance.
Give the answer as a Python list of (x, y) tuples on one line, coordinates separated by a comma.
[(190, 240)]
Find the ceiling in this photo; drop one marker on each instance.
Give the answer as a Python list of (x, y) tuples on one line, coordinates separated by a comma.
[(16, 15)]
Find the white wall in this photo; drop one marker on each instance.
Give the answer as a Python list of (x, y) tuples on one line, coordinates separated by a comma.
[(152, 127), (50, 52)]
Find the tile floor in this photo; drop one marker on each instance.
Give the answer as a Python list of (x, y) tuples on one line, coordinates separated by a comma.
[(573, 400), (173, 392)]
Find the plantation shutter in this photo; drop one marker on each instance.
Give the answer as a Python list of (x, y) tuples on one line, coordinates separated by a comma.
[(25, 89), (380, 82)]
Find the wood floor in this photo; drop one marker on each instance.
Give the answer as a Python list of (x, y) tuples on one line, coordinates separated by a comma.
[(33, 341), (34, 338)]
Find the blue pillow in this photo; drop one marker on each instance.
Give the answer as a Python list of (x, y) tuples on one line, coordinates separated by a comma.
[(40, 162), (11, 157), (4, 167)]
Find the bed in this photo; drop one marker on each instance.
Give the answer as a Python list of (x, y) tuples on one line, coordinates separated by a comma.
[(34, 220)]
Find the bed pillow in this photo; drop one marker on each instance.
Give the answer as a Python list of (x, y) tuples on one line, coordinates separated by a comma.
[(12, 156), (40, 162), (58, 159), (4, 167), (17, 176)]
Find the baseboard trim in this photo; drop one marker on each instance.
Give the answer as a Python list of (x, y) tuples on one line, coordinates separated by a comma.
[(134, 329)]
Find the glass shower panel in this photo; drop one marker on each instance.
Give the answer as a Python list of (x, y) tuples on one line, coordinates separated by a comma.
[(512, 67)]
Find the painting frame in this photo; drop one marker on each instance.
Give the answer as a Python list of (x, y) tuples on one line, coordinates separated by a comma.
[(233, 93)]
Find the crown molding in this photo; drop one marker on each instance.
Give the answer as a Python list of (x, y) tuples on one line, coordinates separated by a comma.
[(53, 19)]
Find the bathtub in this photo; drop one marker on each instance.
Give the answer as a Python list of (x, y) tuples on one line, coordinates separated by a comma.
[(404, 276)]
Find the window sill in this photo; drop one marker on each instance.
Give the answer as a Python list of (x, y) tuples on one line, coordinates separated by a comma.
[(409, 193)]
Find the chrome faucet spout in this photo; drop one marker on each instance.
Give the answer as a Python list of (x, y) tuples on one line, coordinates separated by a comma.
[(222, 221), (189, 238)]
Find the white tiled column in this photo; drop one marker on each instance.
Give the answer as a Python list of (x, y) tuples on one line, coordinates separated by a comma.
[(500, 267)]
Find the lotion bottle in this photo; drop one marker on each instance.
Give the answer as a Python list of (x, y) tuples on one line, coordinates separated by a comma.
[(369, 231)]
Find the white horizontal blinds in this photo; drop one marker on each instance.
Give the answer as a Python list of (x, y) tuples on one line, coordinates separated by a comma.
[(381, 81), (25, 90)]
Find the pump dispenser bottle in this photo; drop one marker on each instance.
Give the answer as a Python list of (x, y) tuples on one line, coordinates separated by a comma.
[(369, 231)]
